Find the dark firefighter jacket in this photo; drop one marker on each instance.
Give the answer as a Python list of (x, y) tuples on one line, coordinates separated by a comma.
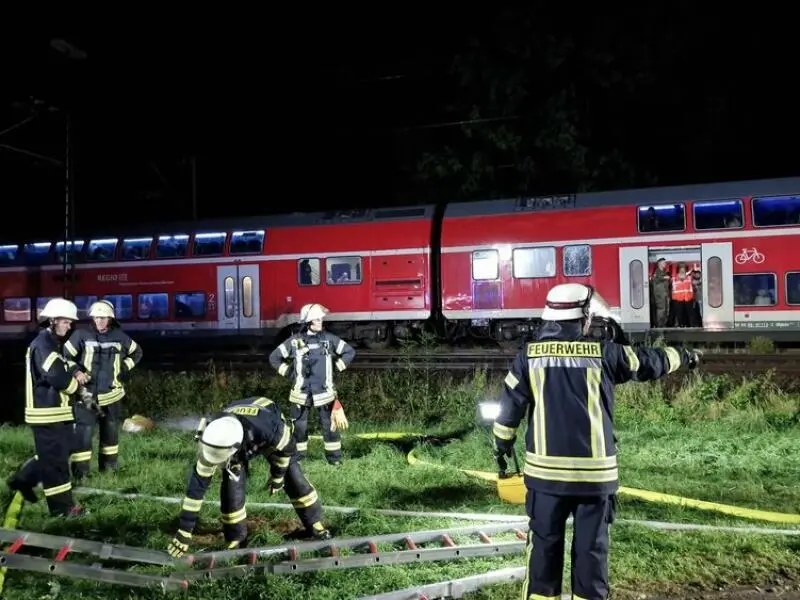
[(48, 382), (266, 433), (106, 357), (307, 359), (568, 382)]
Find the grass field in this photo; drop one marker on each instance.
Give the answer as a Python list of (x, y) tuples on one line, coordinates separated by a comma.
[(711, 439)]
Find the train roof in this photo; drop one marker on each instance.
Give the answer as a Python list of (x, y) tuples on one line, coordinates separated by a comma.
[(641, 196), (395, 213)]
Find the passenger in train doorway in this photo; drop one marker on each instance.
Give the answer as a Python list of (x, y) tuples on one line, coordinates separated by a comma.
[(683, 298), (697, 284), (307, 360), (660, 287), (106, 355)]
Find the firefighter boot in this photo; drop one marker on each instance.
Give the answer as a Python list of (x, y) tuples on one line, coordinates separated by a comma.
[(26, 489), (319, 532)]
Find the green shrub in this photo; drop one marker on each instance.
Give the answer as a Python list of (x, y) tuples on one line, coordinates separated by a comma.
[(430, 398)]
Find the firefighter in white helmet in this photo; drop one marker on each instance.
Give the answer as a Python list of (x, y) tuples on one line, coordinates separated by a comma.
[(50, 388), (105, 354), (308, 359), (564, 382), (245, 429)]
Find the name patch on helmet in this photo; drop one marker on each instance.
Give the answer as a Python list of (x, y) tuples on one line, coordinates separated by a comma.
[(247, 411), (538, 349)]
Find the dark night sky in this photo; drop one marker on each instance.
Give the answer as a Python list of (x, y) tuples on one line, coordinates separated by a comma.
[(292, 115)]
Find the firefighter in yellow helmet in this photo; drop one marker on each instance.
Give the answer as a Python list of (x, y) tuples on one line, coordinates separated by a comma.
[(308, 359), (564, 382), (50, 389), (105, 355)]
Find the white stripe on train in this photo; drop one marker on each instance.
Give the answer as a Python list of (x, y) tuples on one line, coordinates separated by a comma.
[(760, 316)]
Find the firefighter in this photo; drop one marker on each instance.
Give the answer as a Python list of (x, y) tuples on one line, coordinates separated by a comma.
[(307, 359), (571, 460), (245, 429), (49, 386), (106, 355)]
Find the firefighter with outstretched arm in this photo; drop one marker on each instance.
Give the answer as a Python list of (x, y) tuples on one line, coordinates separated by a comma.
[(564, 382)]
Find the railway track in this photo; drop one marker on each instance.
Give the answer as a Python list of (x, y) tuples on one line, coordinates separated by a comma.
[(470, 360)]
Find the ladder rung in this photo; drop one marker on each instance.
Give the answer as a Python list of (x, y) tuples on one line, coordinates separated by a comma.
[(16, 545)]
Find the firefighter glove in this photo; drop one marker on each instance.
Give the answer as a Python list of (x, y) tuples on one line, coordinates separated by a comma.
[(179, 545), (274, 486), (338, 419), (694, 358)]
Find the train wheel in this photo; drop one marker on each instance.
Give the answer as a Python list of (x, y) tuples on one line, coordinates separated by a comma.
[(380, 339)]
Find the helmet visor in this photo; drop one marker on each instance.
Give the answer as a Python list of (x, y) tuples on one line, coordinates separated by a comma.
[(212, 455)]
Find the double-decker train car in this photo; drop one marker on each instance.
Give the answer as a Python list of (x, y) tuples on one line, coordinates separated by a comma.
[(499, 258), (238, 277), (476, 269)]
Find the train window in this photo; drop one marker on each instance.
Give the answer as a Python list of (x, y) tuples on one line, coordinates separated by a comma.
[(664, 217), (774, 211), (208, 244), (342, 270), (485, 264), (190, 305), (8, 254), (714, 271), (308, 271), (230, 297), (755, 289), (636, 275), (153, 306), (74, 249), (247, 242), (247, 297), (172, 246), (36, 253), (577, 260), (793, 288), (17, 310), (727, 214), (136, 248), (83, 303), (123, 306), (100, 250), (534, 262)]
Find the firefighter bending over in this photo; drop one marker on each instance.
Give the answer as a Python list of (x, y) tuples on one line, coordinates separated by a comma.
[(571, 460), (245, 429), (49, 387), (307, 359), (106, 355)]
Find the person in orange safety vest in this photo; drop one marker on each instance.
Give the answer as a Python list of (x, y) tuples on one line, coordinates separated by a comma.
[(683, 298)]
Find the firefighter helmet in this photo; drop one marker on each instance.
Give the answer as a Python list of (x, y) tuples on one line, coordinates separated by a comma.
[(571, 301), (102, 308), (59, 308), (221, 439), (312, 312)]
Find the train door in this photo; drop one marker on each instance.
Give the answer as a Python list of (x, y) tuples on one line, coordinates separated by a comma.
[(717, 285), (238, 306), (634, 288)]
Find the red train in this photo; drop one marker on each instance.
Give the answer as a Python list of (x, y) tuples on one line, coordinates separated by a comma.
[(478, 269)]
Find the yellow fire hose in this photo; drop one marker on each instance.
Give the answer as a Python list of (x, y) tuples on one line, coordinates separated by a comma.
[(512, 490), (10, 522)]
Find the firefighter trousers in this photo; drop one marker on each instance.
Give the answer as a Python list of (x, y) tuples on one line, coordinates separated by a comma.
[(233, 495), (50, 465), (545, 550), (85, 421), (332, 439)]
